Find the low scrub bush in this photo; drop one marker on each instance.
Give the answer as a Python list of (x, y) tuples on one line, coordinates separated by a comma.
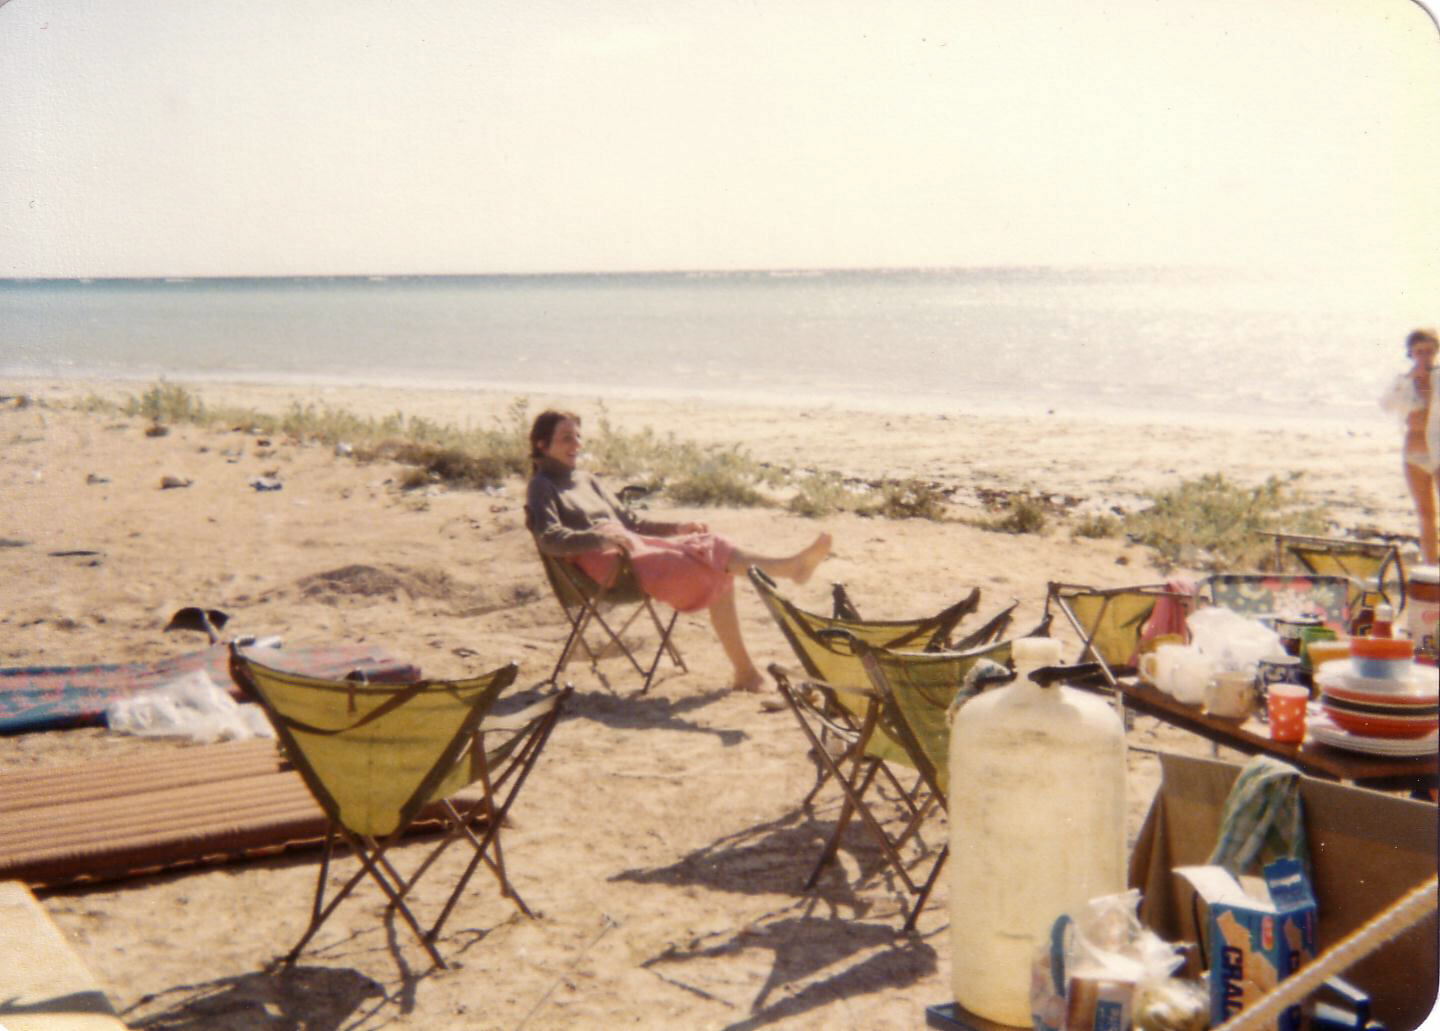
[(907, 499), (1023, 514), (167, 403), (1214, 524), (719, 477), (1097, 525), (820, 494), (455, 466)]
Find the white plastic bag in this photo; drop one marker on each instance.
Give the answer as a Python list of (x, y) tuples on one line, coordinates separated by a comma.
[(1234, 643), (1102, 946), (190, 706)]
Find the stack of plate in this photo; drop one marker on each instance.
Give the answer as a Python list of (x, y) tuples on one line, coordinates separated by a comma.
[(1381, 716)]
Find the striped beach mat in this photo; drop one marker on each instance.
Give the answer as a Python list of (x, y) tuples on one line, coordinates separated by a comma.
[(54, 697), (162, 809)]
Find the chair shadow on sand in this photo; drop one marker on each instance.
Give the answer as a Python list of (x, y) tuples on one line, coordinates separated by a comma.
[(804, 945), (650, 712), (317, 998), (770, 859), (774, 857)]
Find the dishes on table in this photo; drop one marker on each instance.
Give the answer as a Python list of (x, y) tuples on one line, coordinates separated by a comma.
[(1373, 707), (1414, 679), (1375, 721), (1382, 657), (1321, 729)]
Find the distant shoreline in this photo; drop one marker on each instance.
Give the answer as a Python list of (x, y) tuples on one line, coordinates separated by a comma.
[(961, 405)]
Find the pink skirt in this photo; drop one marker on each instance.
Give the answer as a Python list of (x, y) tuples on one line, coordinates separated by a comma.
[(687, 573)]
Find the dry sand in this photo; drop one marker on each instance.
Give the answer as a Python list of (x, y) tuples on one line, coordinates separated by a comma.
[(661, 838)]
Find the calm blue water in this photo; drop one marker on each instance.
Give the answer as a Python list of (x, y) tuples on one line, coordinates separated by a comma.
[(1163, 342)]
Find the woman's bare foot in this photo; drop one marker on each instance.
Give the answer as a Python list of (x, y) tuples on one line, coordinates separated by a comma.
[(750, 682), (807, 560)]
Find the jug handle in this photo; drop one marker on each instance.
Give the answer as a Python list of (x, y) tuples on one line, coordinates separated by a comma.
[(1047, 675), (1057, 951)]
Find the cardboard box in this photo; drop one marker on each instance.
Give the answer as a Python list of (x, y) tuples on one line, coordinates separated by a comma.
[(1367, 849), (1258, 932)]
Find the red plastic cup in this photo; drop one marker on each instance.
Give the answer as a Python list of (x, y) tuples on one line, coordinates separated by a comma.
[(1286, 704)]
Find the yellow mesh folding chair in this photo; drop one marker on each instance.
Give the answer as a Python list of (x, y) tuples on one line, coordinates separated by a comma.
[(1375, 569), (916, 691), (586, 604), (844, 703), (1109, 621), (374, 755)]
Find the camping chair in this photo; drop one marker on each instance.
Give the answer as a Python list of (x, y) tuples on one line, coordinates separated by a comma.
[(842, 711), (585, 602), (1109, 621), (916, 691), (1291, 594), (374, 755), (1375, 567)]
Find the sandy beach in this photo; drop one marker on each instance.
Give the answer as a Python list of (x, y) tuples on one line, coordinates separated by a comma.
[(661, 839)]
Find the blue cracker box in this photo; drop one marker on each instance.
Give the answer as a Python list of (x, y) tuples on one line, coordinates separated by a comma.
[(1259, 932)]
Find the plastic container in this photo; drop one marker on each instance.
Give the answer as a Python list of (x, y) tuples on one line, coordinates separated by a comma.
[(1422, 611), (1037, 827)]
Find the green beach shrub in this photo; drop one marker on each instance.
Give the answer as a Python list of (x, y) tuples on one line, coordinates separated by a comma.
[(1022, 514), (94, 404), (717, 477), (1213, 524), (907, 499), (819, 494), (1097, 525), (167, 403), (456, 466)]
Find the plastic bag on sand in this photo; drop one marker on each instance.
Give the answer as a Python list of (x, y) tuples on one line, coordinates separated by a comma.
[(191, 706), (1233, 642)]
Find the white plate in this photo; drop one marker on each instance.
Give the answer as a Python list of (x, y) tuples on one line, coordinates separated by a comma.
[(1341, 672), (1319, 727)]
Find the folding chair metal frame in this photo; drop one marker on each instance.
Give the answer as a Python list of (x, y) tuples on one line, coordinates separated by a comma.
[(898, 702), (1062, 595), (1304, 547), (807, 634), (584, 603), (500, 772), (838, 722)]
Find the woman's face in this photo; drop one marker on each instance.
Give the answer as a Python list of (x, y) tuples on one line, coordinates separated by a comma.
[(564, 446), (1422, 353)]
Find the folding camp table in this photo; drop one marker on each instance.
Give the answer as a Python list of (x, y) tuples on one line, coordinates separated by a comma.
[(1374, 771)]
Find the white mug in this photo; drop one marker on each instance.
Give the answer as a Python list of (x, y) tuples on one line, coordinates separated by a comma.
[(1158, 667), (1230, 695), (1192, 677)]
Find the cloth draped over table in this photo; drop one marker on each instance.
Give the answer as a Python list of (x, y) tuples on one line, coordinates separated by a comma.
[(1263, 818)]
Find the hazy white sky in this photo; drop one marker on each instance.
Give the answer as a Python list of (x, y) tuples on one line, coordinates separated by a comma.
[(148, 137)]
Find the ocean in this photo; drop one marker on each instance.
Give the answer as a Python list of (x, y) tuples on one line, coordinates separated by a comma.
[(1141, 342)]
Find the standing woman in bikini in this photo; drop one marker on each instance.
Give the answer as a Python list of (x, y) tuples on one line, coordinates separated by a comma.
[(1412, 398), (682, 564)]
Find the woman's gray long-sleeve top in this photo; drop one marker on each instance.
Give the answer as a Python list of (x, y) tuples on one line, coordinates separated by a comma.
[(563, 506)]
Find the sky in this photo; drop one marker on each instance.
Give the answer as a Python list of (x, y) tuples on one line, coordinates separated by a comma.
[(146, 137)]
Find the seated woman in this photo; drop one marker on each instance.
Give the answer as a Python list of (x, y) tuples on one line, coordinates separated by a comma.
[(682, 564)]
